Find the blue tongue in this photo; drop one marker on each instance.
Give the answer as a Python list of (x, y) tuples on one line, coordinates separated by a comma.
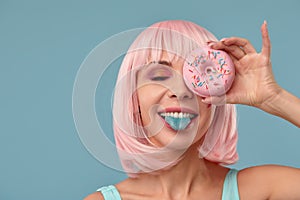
[(178, 123)]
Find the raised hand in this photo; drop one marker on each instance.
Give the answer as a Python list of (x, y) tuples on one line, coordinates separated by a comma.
[(254, 83)]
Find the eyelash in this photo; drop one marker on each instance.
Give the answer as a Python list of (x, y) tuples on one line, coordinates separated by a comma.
[(159, 78)]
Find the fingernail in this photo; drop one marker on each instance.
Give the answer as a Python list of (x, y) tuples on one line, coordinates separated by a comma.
[(211, 44), (223, 39), (265, 24)]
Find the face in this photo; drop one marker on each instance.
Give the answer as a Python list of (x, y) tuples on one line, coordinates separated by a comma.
[(172, 115)]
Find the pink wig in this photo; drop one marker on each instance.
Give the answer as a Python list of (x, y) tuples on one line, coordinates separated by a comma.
[(137, 154)]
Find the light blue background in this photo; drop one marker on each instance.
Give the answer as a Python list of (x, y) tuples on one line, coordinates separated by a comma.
[(42, 45)]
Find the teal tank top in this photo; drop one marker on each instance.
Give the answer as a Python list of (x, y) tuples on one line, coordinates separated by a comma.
[(230, 188)]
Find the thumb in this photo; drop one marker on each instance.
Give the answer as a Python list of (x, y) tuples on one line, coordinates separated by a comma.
[(215, 100)]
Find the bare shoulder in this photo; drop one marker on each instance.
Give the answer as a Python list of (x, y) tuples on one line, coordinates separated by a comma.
[(94, 196), (268, 181)]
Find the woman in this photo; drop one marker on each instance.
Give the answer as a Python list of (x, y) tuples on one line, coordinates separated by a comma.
[(168, 158)]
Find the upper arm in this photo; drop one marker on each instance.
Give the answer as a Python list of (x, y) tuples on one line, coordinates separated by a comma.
[(270, 182), (95, 196), (286, 183)]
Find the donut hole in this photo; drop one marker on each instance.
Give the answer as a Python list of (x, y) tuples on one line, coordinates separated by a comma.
[(209, 70)]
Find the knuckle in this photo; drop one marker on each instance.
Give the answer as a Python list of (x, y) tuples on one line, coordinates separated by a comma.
[(246, 41)]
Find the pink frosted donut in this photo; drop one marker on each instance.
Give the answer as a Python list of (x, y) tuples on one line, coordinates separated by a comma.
[(208, 72)]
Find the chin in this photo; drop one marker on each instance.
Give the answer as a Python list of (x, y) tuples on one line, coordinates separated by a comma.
[(178, 140)]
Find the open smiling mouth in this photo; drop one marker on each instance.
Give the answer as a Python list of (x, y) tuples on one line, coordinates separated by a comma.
[(177, 120)]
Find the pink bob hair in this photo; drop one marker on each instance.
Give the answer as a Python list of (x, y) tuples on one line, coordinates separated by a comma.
[(136, 153)]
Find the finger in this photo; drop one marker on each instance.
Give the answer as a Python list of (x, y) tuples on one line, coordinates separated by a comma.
[(233, 50), (266, 46), (215, 100), (235, 61), (235, 55), (241, 42), (231, 98)]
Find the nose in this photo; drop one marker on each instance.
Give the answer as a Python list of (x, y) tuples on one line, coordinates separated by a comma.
[(179, 90)]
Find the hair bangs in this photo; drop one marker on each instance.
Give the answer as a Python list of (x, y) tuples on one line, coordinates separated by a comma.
[(154, 42)]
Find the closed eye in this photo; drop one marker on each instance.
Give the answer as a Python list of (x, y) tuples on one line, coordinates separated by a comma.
[(159, 78)]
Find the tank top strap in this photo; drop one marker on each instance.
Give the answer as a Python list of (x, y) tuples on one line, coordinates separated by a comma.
[(110, 192), (230, 187)]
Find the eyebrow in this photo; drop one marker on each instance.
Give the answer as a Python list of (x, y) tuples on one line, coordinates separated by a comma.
[(164, 62)]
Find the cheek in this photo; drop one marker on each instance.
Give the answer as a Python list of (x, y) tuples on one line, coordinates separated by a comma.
[(148, 97), (206, 115)]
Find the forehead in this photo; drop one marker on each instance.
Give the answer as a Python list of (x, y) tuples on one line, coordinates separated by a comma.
[(169, 59)]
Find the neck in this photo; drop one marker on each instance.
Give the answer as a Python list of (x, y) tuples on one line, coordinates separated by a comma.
[(189, 174)]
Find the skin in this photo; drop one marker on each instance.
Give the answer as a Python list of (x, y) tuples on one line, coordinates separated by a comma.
[(192, 177), (171, 93), (255, 84)]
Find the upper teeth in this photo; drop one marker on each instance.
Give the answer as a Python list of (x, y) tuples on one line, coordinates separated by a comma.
[(177, 115)]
